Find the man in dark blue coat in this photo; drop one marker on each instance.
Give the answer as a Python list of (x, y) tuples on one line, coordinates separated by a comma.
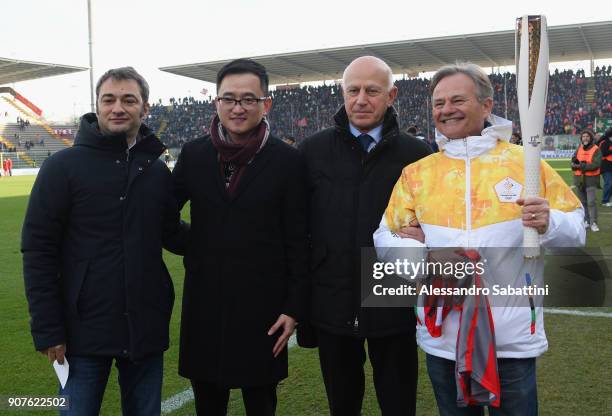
[(96, 283)]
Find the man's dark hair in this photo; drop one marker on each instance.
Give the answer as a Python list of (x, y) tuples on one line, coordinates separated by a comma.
[(125, 73), (244, 66)]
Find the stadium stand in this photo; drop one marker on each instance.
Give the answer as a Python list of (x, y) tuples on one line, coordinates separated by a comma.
[(574, 102), (32, 140), (32, 143), (25, 136)]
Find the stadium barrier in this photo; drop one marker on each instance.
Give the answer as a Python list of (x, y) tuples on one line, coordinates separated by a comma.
[(25, 171), (554, 147)]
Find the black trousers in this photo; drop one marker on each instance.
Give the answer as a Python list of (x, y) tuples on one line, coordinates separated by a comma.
[(211, 399), (395, 366)]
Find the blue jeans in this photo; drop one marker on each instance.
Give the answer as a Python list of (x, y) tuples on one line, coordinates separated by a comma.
[(607, 189), (140, 384), (518, 388)]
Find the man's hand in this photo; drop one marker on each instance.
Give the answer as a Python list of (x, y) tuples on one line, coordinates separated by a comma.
[(413, 230), (536, 213), (55, 353), (450, 255), (288, 325)]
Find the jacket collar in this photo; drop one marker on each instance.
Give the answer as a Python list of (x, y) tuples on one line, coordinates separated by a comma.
[(89, 135), (588, 146), (375, 133), (499, 129), (390, 124)]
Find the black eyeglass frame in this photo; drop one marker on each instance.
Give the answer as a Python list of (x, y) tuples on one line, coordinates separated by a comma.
[(231, 102)]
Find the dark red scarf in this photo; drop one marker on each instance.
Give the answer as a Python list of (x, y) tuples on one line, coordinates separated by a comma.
[(234, 157), (476, 372)]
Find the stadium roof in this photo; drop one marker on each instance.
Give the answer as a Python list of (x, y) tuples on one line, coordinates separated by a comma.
[(13, 70), (585, 41)]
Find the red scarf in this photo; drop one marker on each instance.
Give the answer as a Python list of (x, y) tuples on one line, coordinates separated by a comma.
[(476, 371), (234, 157)]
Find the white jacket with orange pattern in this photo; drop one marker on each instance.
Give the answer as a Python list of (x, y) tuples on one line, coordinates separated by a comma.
[(464, 196)]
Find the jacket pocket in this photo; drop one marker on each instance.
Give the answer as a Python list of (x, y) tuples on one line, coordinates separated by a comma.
[(168, 290), (75, 282)]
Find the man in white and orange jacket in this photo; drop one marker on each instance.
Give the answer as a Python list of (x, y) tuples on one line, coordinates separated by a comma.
[(469, 195)]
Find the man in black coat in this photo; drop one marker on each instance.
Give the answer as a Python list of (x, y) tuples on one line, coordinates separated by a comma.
[(352, 168), (95, 280), (246, 265)]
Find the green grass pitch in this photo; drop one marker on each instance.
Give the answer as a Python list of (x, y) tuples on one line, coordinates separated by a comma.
[(574, 376)]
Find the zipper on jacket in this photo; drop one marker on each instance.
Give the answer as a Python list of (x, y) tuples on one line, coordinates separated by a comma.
[(354, 234), (362, 177), (127, 173), (129, 348), (468, 194)]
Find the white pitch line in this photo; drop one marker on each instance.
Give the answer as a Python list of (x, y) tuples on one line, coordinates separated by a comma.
[(578, 313), (179, 400)]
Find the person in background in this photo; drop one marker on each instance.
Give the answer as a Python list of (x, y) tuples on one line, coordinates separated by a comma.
[(586, 164), (516, 139)]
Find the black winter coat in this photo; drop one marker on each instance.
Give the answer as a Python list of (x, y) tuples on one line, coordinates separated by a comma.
[(246, 263), (605, 145), (92, 246), (349, 191)]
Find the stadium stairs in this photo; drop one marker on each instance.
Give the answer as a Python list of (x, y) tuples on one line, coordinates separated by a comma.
[(589, 95), (37, 120), (20, 159), (17, 138)]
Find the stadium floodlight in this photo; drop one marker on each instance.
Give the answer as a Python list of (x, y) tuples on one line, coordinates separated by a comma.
[(90, 48)]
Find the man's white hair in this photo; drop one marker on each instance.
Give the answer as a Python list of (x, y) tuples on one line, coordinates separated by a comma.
[(373, 60)]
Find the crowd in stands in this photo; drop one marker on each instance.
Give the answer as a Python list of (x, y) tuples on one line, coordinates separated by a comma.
[(602, 105), (28, 144), (23, 123), (299, 112), (183, 120)]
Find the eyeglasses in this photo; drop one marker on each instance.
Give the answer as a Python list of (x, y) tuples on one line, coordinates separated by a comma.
[(246, 102)]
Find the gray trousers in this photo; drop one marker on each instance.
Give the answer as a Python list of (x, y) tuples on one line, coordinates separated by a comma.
[(587, 197)]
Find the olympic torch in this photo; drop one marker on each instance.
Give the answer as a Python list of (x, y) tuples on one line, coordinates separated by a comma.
[(532, 87)]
